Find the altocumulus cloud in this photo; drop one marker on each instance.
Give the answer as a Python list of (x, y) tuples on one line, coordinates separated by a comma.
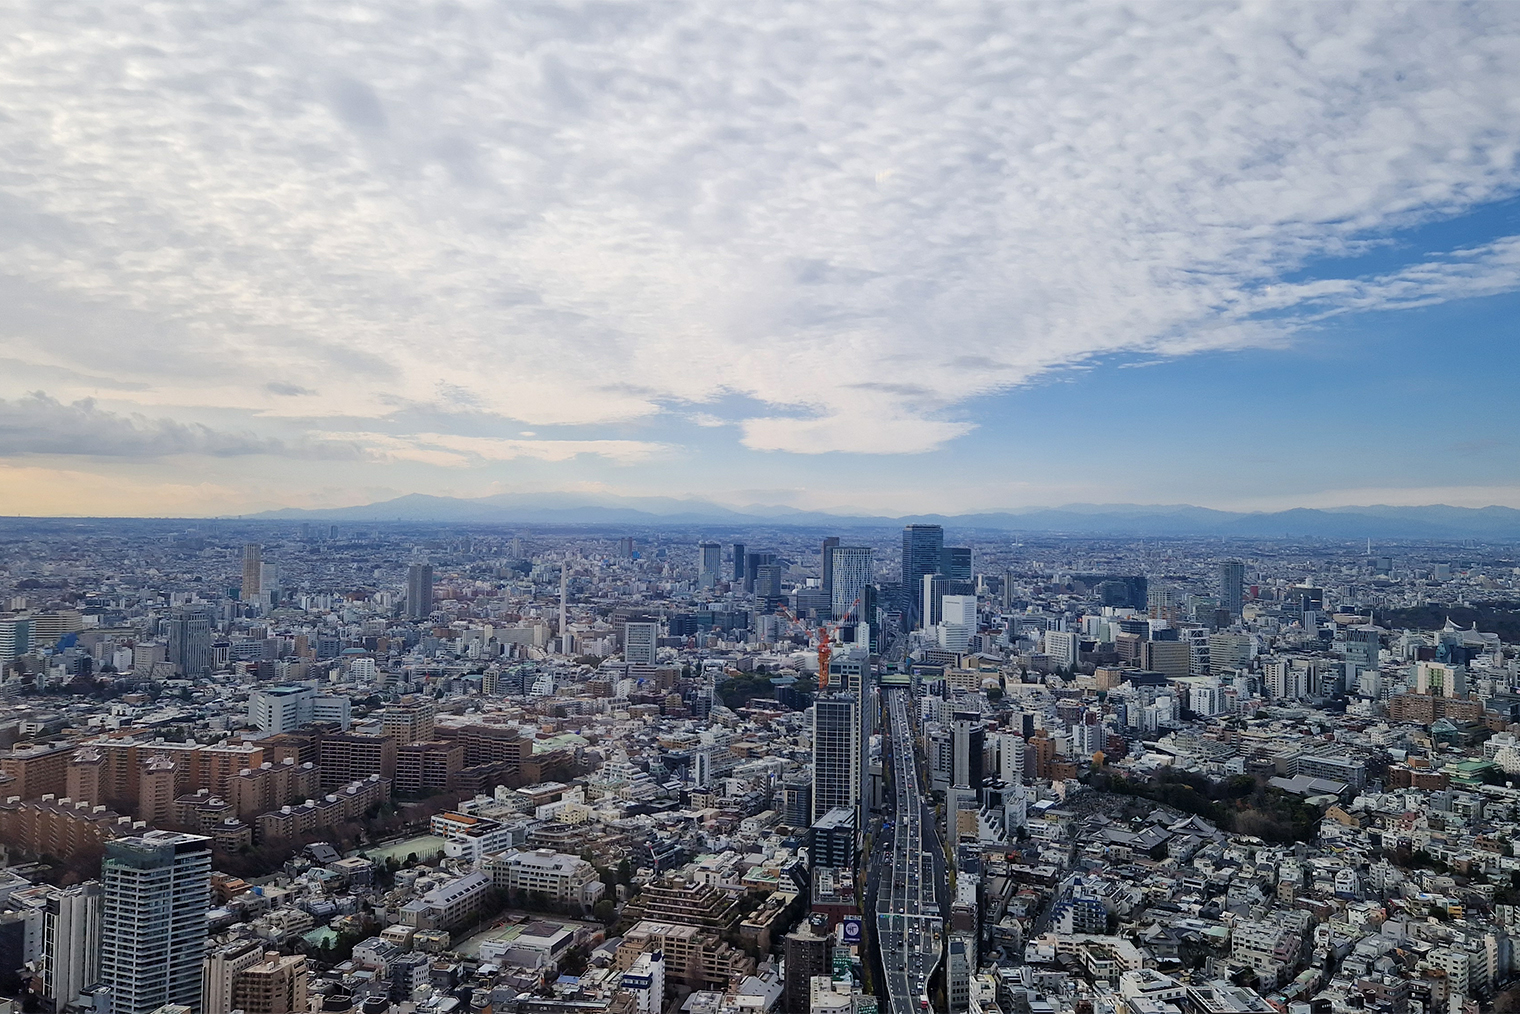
[(38, 424), (856, 218)]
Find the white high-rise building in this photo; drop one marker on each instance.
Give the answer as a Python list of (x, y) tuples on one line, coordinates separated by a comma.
[(958, 621), (1010, 758), (645, 979), (153, 937), (640, 641), (280, 709), (836, 753), (71, 942), (1061, 646), (709, 564), (852, 572)]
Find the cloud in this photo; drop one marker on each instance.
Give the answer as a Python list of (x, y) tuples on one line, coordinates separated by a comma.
[(453, 451), (39, 424), (860, 218)]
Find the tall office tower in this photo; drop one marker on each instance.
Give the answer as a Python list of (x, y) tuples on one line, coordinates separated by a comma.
[(1232, 580), (922, 548), (768, 580), (153, 936), (836, 753), (269, 582), (826, 570), (1361, 646), (253, 571), (967, 743), (852, 574), (639, 642), (71, 942), (752, 564), (190, 641), (419, 591), (709, 563), (738, 562), (15, 638), (955, 563), (932, 589)]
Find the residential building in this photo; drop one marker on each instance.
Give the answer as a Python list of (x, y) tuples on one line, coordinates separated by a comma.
[(156, 890)]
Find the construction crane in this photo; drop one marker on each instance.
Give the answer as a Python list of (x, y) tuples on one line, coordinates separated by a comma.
[(826, 644), (825, 638)]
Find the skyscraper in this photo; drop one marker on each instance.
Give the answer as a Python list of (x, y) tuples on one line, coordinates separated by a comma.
[(190, 641), (15, 639), (419, 591), (71, 942), (709, 563), (932, 592), (826, 570), (1232, 579), (852, 572), (955, 563), (253, 571), (967, 739), (957, 621), (767, 579), (752, 564), (153, 935), (922, 548), (836, 753), (738, 562)]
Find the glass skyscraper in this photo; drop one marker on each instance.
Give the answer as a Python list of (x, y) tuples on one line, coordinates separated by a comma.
[(852, 573), (922, 551)]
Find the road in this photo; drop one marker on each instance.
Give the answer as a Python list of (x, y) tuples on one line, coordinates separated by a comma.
[(909, 928)]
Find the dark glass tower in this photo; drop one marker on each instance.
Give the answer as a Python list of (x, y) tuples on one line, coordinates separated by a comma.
[(923, 548)]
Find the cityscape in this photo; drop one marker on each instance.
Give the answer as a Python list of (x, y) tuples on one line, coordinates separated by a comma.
[(702, 507), (279, 766)]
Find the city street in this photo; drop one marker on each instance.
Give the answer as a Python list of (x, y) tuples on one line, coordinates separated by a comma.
[(909, 926)]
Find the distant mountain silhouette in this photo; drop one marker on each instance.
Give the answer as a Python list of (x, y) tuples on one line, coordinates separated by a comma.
[(1437, 521)]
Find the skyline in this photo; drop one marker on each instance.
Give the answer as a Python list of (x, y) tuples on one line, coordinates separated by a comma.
[(1249, 259)]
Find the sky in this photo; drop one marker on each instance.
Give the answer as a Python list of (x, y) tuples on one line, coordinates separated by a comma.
[(881, 257)]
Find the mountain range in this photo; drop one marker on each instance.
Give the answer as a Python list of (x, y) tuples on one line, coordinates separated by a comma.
[(1437, 521)]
